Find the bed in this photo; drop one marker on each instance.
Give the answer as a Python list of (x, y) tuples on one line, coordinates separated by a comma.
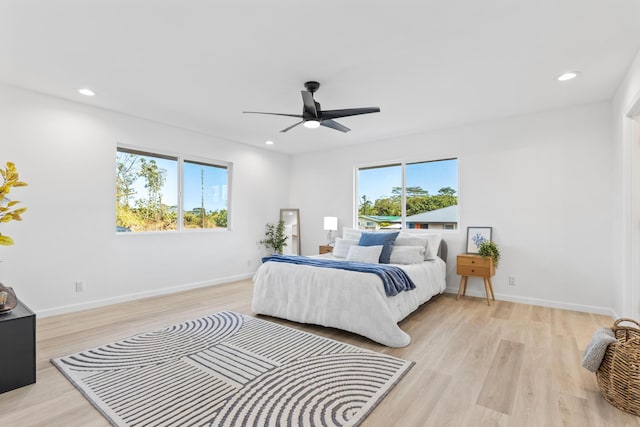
[(347, 300)]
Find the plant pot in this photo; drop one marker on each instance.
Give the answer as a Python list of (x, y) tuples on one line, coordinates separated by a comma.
[(11, 301)]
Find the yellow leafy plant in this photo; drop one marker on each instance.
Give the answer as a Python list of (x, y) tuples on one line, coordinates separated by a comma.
[(8, 209)]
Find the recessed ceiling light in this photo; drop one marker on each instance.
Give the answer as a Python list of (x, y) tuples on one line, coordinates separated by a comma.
[(269, 142), (568, 76), (312, 124), (86, 91)]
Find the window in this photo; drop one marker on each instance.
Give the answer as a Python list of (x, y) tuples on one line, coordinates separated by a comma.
[(157, 192), (146, 191), (379, 201), (205, 194), (421, 195)]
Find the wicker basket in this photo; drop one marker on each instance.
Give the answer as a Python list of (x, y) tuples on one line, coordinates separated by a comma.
[(619, 374)]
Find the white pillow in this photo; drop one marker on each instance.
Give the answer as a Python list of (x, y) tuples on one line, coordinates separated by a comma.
[(367, 254), (431, 247), (433, 244), (409, 240), (407, 255), (351, 233), (341, 248)]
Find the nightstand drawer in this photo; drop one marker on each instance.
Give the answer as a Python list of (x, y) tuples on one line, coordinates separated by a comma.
[(466, 270), (474, 261)]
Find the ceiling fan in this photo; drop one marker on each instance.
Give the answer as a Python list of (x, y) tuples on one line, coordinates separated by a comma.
[(313, 116)]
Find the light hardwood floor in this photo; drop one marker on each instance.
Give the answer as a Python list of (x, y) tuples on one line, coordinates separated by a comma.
[(505, 365)]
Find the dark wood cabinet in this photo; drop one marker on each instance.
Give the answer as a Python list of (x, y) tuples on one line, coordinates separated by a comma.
[(17, 348)]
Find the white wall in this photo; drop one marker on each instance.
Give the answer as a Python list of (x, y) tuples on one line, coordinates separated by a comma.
[(66, 152), (626, 195), (542, 181)]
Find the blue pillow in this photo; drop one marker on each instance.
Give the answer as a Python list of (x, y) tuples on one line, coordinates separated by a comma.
[(385, 239)]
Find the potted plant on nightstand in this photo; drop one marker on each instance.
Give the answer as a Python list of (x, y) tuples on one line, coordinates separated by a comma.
[(275, 237), (490, 249)]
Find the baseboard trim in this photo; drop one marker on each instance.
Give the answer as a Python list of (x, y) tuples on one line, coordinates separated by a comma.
[(54, 311), (607, 311)]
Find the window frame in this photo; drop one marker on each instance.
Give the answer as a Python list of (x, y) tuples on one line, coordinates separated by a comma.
[(180, 159), (403, 200)]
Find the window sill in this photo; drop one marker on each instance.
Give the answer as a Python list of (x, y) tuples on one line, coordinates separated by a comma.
[(172, 232)]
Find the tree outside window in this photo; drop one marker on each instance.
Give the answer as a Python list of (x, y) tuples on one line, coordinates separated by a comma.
[(429, 191), (147, 193)]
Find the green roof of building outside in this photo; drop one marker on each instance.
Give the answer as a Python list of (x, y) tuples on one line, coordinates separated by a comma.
[(381, 218)]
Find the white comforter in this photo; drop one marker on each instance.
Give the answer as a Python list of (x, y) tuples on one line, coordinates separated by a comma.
[(347, 300)]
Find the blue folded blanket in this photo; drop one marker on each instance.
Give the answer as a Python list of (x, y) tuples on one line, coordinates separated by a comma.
[(394, 279)]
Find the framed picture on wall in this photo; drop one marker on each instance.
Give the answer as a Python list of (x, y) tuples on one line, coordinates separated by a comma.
[(475, 237)]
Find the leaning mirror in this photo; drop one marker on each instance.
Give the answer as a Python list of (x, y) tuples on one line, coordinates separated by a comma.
[(291, 219)]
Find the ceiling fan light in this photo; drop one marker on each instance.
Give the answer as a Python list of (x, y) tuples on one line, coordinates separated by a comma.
[(86, 91), (312, 124), (570, 75)]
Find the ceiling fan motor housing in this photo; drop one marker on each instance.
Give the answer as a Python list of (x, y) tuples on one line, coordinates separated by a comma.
[(312, 86)]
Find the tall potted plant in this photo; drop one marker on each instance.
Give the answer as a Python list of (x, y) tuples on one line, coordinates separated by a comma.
[(8, 212), (275, 237)]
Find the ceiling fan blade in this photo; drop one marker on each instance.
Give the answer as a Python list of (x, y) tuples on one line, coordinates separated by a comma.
[(292, 126), (334, 114), (273, 114), (334, 125), (309, 103)]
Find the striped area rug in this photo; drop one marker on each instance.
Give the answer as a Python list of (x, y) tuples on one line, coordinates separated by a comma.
[(228, 369)]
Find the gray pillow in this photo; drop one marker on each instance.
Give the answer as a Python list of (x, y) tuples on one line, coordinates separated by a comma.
[(341, 248), (366, 254), (407, 255)]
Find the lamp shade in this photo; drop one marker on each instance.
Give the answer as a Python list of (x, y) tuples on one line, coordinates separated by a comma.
[(330, 223)]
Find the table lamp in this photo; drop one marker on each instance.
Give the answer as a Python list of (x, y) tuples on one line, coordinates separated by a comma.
[(330, 225)]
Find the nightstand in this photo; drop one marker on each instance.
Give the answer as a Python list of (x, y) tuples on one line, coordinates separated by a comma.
[(325, 249), (469, 265)]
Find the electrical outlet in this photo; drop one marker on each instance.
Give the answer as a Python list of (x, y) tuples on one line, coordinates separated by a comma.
[(80, 286), (512, 281)]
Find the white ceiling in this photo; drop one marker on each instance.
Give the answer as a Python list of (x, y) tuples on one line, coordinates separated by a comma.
[(427, 64)]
